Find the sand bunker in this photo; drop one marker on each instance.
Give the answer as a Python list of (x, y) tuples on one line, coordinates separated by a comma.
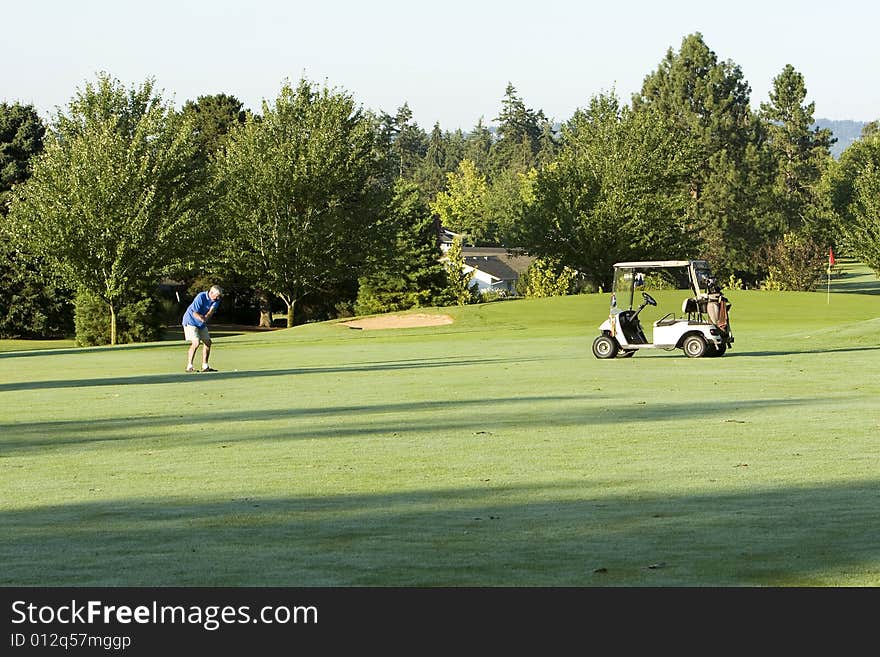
[(398, 321)]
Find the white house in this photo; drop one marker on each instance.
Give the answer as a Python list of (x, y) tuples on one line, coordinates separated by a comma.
[(493, 268)]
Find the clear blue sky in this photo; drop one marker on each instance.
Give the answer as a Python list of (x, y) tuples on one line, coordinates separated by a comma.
[(450, 60)]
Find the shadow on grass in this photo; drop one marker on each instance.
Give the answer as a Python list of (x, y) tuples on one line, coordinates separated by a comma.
[(171, 337), (794, 352), (483, 418), (571, 533), (201, 378), (854, 287)]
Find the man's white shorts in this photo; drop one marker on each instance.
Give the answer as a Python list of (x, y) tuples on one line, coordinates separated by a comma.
[(193, 333)]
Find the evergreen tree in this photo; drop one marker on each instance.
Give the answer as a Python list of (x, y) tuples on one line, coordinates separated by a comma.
[(406, 271), (212, 118), (707, 100), (478, 147), (407, 142), (521, 133), (799, 151), (30, 305), (431, 175)]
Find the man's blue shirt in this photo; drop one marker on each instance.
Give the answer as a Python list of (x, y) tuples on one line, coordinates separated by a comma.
[(201, 305)]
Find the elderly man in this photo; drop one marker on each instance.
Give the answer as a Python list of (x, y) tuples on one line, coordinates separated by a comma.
[(195, 326)]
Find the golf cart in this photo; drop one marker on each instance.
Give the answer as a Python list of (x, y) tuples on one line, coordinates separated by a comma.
[(703, 329)]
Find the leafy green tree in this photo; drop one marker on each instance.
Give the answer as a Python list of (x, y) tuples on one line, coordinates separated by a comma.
[(507, 200), (114, 198), (405, 272), (302, 187), (707, 101), (861, 233), (838, 184), (462, 207), (799, 151), (618, 191)]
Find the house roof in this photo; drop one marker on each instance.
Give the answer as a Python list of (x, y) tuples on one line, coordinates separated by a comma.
[(513, 261), (492, 265)]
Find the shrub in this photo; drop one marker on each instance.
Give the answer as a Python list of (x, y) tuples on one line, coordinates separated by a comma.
[(546, 278), (794, 263), (138, 321)]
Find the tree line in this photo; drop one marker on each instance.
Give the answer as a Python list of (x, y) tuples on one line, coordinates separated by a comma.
[(319, 208)]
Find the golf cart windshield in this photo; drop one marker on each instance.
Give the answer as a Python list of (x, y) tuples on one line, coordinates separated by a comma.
[(704, 277), (633, 277)]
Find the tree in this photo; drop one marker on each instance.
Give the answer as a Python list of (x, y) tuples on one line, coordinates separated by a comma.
[(408, 143), (838, 185), (521, 133), (302, 188), (547, 278), (21, 138), (115, 197), (462, 207), (213, 117), (796, 262), (862, 232), (405, 271), (507, 200), (618, 191), (460, 291), (478, 147), (431, 174), (799, 151), (707, 101), (29, 305)]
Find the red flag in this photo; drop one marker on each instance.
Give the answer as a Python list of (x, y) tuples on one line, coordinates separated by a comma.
[(830, 256)]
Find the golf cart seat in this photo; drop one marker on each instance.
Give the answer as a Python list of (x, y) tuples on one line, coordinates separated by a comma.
[(690, 308)]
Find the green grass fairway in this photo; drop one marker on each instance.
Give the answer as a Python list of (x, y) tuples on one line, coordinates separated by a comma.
[(493, 451)]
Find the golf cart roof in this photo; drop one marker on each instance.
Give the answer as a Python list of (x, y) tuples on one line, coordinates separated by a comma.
[(647, 264)]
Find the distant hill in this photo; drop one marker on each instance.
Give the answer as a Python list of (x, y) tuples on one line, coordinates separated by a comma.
[(846, 132)]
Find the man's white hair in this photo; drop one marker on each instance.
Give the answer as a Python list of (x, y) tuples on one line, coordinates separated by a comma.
[(216, 289)]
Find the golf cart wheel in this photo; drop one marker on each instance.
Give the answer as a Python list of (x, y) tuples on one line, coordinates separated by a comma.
[(694, 346), (605, 346), (719, 351)]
